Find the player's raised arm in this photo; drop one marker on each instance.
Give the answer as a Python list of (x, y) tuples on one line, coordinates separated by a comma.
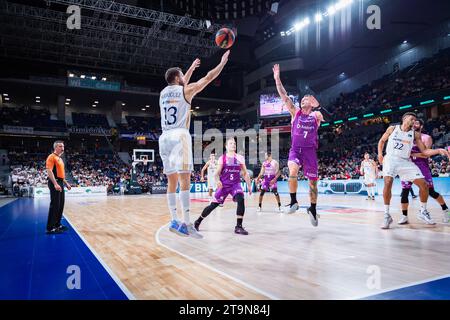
[(429, 152), (282, 91), (202, 173), (382, 142), (190, 71), (195, 87)]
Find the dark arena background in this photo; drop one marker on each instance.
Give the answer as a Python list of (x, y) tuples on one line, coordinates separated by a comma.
[(96, 201)]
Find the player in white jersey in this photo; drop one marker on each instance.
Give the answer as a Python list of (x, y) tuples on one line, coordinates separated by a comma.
[(211, 167), (397, 161), (369, 170), (175, 145)]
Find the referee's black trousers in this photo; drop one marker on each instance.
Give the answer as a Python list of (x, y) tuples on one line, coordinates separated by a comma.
[(56, 208)]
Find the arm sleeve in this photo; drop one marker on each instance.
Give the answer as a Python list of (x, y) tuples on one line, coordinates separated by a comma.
[(49, 163)]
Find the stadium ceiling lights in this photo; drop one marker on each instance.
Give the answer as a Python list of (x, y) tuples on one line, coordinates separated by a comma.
[(318, 17), (143, 109), (5, 94), (82, 76), (94, 105), (147, 106), (103, 79), (123, 104), (197, 108), (71, 75), (93, 77), (67, 99)]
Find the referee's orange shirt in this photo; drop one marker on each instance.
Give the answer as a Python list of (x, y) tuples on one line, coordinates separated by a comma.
[(56, 164)]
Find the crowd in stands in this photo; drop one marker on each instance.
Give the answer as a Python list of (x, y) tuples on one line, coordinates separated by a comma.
[(24, 116), (426, 76), (83, 170), (90, 120), (222, 122)]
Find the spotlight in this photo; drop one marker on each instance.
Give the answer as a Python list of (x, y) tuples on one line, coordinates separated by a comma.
[(405, 41), (318, 17), (331, 10), (82, 76)]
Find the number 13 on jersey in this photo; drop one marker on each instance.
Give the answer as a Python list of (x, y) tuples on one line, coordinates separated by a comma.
[(170, 115)]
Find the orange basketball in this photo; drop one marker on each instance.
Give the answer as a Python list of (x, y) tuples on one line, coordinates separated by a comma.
[(225, 38)]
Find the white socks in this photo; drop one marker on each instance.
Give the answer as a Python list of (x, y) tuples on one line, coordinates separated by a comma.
[(423, 206), (386, 209), (184, 199), (172, 202), (369, 191)]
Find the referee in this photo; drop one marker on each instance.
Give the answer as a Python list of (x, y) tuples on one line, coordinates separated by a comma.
[(56, 182)]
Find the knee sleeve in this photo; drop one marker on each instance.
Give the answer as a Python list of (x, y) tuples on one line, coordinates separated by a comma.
[(275, 192), (262, 192), (240, 205), (209, 209), (433, 193), (404, 196)]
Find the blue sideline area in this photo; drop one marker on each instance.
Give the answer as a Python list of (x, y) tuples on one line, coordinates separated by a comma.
[(432, 290), (36, 266)]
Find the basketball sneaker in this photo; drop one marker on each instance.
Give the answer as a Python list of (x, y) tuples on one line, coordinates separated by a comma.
[(387, 221), (182, 230), (258, 209), (240, 230), (174, 225), (193, 232), (368, 198), (403, 220), (292, 208), (446, 217), (425, 217), (373, 197), (279, 209), (63, 228), (313, 217)]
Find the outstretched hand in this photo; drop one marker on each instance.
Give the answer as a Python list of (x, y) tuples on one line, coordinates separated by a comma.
[(314, 102), (225, 56), (195, 64), (276, 71), (444, 153)]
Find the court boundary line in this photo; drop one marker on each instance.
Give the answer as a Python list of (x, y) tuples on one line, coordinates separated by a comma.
[(412, 284), (394, 288), (241, 282), (115, 278)]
